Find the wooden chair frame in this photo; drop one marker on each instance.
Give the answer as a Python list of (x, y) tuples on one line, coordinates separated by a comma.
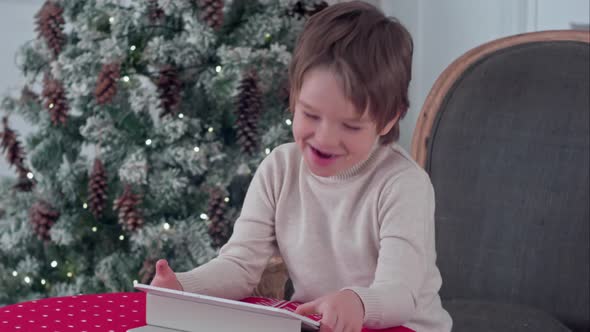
[(449, 76)]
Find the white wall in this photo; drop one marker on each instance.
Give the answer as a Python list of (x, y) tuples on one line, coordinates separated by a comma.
[(16, 27), (444, 30), (552, 14), (408, 13)]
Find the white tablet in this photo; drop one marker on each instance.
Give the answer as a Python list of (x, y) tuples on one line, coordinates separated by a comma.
[(221, 304)]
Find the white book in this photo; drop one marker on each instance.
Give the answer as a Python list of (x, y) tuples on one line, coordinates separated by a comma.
[(171, 310)]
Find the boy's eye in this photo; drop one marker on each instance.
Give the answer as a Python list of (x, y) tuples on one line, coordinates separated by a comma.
[(353, 128), (311, 116)]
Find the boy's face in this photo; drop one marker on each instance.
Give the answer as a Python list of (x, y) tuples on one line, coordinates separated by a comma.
[(327, 128)]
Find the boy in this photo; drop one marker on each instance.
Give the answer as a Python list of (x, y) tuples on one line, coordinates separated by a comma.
[(349, 211)]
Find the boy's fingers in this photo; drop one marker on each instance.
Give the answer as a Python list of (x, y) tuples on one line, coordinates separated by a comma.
[(165, 277), (340, 325), (328, 322), (306, 309), (162, 267)]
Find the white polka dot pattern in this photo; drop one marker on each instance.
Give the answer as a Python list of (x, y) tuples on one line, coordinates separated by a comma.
[(113, 312), (116, 312)]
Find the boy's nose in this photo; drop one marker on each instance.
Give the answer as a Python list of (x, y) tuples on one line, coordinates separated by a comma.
[(326, 136)]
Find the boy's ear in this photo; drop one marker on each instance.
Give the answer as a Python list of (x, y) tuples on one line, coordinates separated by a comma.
[(390, 124)]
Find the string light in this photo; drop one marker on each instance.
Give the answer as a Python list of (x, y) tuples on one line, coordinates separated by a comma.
[(85, 205), (54, 264), (132, 48), (30, 175), (69, 274), (204, 216), (14, 273), (288, 122), (148, 142), (267, 36), (125, 78), (121, 237), (166, 226), (218, 69), (43, 282), (180, 116), (226, 199), (210, 129), (134, 282), (111, 20), (51, 105), (94, 229), (196, 149), (27, 280), (267, 151)]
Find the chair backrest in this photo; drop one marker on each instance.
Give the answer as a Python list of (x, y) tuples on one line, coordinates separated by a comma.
[(504, 135)]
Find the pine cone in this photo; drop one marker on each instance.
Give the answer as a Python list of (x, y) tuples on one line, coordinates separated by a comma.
[(50, 26), (169, 87), (249, 106), (147, 271), (219, 228), (55, 100), (97, 188), (106, 86), (11, 146), (42, 217), (155, 13), (211, 12), (129, 215)]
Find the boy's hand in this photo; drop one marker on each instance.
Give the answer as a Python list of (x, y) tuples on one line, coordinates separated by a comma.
[(165, 277), (342, 311)]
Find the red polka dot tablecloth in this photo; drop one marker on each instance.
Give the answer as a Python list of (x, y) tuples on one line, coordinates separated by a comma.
[(111, 312), (115, 312)]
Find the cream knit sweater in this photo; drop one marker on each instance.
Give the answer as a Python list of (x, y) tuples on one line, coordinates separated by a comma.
[(369, 229)]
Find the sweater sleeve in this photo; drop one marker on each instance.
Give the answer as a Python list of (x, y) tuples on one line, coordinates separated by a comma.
[(406, 217), (238, 268)]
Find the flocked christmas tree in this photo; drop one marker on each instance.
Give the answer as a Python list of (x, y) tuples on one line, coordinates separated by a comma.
[(150, 118)]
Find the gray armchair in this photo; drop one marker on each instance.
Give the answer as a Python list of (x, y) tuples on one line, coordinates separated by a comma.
[(504, 135)]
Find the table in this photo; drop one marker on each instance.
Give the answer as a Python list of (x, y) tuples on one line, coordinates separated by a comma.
[(116, 312), (111, 312)]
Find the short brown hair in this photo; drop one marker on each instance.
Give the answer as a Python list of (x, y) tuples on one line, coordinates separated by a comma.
[(370, 53)]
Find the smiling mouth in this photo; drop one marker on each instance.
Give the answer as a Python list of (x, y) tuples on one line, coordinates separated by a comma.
[(322, 154)]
